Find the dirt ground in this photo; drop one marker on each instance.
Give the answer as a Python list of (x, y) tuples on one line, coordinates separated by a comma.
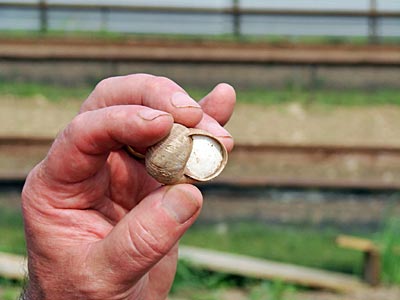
[(291, 123), (382, 293), (297, 124), (373, 294)]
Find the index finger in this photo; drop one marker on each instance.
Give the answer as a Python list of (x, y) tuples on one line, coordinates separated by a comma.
[(82, 149), (142, 89)]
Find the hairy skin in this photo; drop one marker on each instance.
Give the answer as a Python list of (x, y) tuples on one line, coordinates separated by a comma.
[(97, 225)]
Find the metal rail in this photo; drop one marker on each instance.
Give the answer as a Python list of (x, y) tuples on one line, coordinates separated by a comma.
[(204, 10), (372, 14)]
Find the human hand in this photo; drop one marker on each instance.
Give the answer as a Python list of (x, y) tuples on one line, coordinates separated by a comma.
[(97, 225)]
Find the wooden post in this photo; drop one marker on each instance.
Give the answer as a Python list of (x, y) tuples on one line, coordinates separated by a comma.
[(372, 267), (372, 259), (104, 11), (373, 23), (236, 18), (43, 16)]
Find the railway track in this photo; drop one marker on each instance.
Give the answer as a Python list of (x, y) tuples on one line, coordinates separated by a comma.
[(90, 50), (252, 166)]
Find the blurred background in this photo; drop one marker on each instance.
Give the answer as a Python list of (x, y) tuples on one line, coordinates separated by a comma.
[(311, 189)]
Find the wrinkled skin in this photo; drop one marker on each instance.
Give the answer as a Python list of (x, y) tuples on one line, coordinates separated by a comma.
[(97, 226)]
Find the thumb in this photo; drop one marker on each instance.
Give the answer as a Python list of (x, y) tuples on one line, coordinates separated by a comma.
[(147, 234)]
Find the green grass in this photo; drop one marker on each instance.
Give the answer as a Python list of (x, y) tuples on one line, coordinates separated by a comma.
[(195, 284), (48, 91), (9, 290), (389, 241), (267, 39), (11, 241), (321, 96), (301, 245), (257, 96), (298, 245), (11, 230), (272, 291)]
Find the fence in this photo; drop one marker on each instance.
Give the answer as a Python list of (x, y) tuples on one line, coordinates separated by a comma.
[(238, 16)]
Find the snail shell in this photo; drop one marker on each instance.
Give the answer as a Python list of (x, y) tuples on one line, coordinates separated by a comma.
[(186, 156)]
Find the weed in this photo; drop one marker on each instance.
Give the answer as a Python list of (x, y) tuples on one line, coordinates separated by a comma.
[(10, 289), (275, 290), (391, 251), (10, 293), (189, 276)]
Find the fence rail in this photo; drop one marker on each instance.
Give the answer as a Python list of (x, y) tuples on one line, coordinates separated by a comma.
[(235, 11)]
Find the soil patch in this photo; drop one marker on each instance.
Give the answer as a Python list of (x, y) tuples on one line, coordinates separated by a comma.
[(291, 123), (295, 123), (380, 293)]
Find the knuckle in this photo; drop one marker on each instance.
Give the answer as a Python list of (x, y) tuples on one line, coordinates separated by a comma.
[(159, 82), (73, 127), (76, 134), (146, 245), (112, 115), (119, 119), (104, 85)]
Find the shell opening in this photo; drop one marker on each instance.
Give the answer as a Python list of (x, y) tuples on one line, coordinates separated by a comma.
[(206, 158)]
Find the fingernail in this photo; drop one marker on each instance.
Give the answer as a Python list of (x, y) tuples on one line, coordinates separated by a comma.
[(180, 204), (227, 141), (182, 100), (229, 137), (218, 130), (151, 114)]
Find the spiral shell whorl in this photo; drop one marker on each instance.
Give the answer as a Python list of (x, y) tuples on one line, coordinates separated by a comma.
[(166, 160)]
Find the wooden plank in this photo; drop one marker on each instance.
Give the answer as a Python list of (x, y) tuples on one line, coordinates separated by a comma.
[(356, 243), (372, 258), (264, 269), (13, 266)]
